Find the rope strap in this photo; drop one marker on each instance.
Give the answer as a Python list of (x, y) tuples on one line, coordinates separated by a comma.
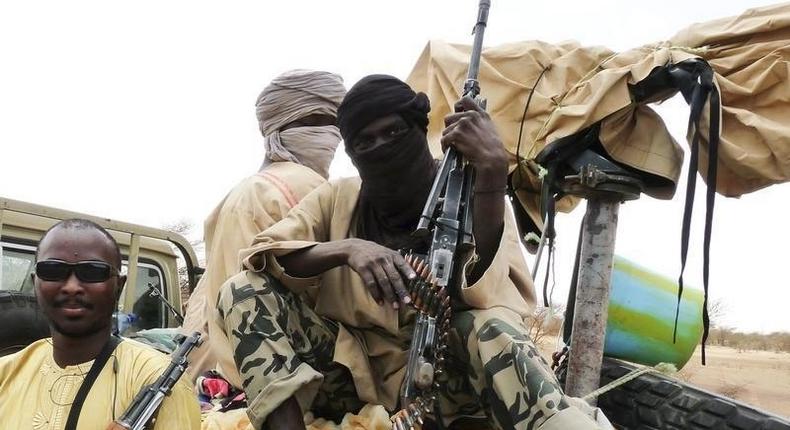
[(665, 368)]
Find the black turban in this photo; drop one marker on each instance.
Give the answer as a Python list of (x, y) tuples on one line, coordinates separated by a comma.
[(396, 177), (375, 96)]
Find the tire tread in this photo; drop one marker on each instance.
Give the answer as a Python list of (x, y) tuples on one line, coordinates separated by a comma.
[(654, 401)]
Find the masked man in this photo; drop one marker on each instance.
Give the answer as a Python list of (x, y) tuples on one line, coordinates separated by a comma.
[(77, 284), (351, 347), (296, 114)]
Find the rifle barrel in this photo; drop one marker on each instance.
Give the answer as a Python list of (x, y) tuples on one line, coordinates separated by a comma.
[(471, 86)]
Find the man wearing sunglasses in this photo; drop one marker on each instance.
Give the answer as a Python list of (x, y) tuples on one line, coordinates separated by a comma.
[(83, 377)]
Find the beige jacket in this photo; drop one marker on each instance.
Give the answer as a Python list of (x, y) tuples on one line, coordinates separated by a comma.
[(369, 341), (250, 207)]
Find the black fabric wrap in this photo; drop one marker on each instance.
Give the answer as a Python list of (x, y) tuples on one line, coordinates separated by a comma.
[(396, 177), (396, 180), (376, 96)]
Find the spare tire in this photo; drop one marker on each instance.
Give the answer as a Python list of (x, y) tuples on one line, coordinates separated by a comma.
[(21, 322), (657, 402)]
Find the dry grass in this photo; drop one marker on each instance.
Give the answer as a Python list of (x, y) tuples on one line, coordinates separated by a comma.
[(686, 375), (734, 391), (759, 378)]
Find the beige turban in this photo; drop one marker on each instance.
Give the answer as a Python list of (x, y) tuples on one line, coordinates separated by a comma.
[(293, 95)]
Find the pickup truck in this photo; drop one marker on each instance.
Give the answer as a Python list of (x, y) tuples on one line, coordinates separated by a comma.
[(150, 258)]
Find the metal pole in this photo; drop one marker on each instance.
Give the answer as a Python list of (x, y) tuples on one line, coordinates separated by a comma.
[(129, 296), (592, 296)]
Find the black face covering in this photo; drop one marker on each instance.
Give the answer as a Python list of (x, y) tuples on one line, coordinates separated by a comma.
[(396, 176)]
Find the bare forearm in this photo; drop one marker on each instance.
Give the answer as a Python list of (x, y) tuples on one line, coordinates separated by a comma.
[(489, 210), (315, 260)]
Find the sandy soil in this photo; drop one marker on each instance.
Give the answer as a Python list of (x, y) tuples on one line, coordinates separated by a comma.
[(758, 378)]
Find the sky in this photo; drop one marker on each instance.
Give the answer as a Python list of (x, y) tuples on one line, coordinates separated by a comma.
[(144, 112)]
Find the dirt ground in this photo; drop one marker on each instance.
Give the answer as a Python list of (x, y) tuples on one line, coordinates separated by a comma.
[(758, 378)]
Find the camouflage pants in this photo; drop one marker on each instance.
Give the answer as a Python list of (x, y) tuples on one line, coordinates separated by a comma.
[(283, 349), (496, 371)]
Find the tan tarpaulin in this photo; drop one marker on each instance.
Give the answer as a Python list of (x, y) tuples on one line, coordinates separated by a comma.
[(582, 86)]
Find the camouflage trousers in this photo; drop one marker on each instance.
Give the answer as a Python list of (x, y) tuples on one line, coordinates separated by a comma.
[(283, 348)]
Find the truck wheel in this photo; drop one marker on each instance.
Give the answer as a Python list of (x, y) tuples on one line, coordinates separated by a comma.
[(21, 322), (654, 401)]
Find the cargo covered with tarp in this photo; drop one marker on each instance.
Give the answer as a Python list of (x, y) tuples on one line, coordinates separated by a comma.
[(539, 94), (574, 117)]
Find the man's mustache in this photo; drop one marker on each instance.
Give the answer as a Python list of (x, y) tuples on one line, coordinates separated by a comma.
[(72, 301)]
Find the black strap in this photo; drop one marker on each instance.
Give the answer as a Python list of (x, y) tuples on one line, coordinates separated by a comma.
[(90, 378), (713, 161), (704, 90), (550, 234), (697, 102)]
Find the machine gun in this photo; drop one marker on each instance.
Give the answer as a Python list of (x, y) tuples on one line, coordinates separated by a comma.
[(448, 214), (140, 414)]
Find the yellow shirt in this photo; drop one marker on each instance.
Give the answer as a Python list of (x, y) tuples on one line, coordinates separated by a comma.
[(36, 393)]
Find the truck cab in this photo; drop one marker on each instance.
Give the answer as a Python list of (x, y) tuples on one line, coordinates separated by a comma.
[(150, 260)]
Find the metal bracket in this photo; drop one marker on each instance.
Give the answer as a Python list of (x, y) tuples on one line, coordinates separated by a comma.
[(592, 182)]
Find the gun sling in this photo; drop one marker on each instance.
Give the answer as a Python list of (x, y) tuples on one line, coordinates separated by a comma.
[(90, 378)]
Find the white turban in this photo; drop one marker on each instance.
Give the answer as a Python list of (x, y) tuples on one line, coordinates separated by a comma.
[(293, 95)]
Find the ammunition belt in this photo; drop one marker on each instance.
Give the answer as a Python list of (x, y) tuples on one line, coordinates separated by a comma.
[(431, 303)]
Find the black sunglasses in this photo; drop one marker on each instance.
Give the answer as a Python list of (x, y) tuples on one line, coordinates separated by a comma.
[(86, 271)]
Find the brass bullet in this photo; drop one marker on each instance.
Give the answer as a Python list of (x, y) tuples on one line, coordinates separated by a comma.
[(415, 412)]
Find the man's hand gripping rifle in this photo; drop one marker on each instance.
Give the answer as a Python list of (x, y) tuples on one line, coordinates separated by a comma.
[(141, 413), (448, 216)]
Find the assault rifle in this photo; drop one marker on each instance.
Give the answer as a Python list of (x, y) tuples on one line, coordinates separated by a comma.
[(140, 414), (448, 214)]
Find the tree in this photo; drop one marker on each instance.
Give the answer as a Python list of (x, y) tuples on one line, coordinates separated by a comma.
[(185, 228), (717, 311), (545, 322)]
